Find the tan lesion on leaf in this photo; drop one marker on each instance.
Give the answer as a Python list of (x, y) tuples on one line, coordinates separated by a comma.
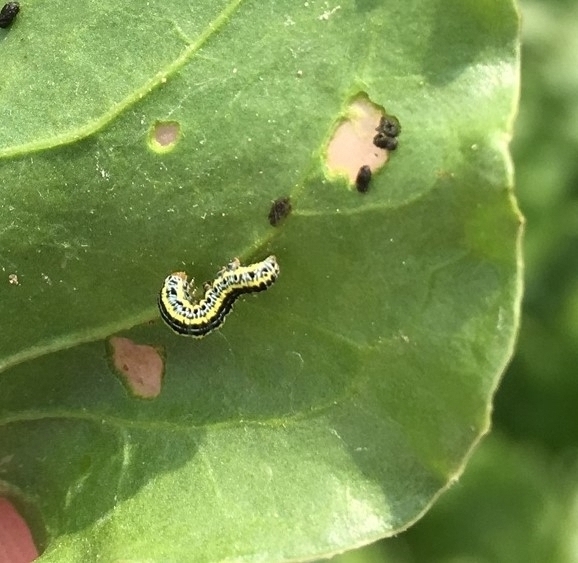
[(16, 543), (164, 135), (140, 366), (351, 145)]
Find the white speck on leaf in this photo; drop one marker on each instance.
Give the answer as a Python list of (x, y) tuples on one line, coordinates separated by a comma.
[(328, 13)]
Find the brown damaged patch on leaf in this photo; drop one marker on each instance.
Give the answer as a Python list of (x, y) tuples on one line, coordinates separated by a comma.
[(139, 365), (351, 146), (164, 135), (16, 545)]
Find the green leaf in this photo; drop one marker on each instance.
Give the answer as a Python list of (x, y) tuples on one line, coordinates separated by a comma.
[(515, 503), (330, 410)]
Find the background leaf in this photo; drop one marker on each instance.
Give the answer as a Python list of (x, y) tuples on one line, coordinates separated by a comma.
[(331, 410)]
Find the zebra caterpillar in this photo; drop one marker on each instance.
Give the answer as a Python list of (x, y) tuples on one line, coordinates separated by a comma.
[(197, 318)]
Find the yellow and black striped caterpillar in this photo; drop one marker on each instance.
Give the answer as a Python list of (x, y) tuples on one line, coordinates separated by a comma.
[(197, 318)]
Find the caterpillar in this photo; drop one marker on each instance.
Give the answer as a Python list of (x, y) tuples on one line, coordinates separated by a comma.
[(197, 318)]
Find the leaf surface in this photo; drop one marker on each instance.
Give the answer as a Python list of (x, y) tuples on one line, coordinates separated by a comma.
[(331, 409)]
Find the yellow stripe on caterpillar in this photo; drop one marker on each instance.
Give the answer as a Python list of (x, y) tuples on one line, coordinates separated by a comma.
[(197, 318)]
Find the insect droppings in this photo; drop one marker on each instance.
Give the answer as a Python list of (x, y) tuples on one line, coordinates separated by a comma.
[(384, 142), (387, 131), (8, 13), (363, 179), (280, 208), (389, 125)]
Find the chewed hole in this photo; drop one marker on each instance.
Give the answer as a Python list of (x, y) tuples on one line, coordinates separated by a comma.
[(164, 135), (16, 543), (351, 145), (139, 366)]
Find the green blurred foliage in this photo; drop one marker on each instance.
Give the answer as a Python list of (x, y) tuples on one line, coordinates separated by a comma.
[(517, 501), (538, 398)]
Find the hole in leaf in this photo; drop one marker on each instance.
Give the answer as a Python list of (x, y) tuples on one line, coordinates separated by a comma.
[(164, 135), (351, 145), (139, 366), (16, 544)]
